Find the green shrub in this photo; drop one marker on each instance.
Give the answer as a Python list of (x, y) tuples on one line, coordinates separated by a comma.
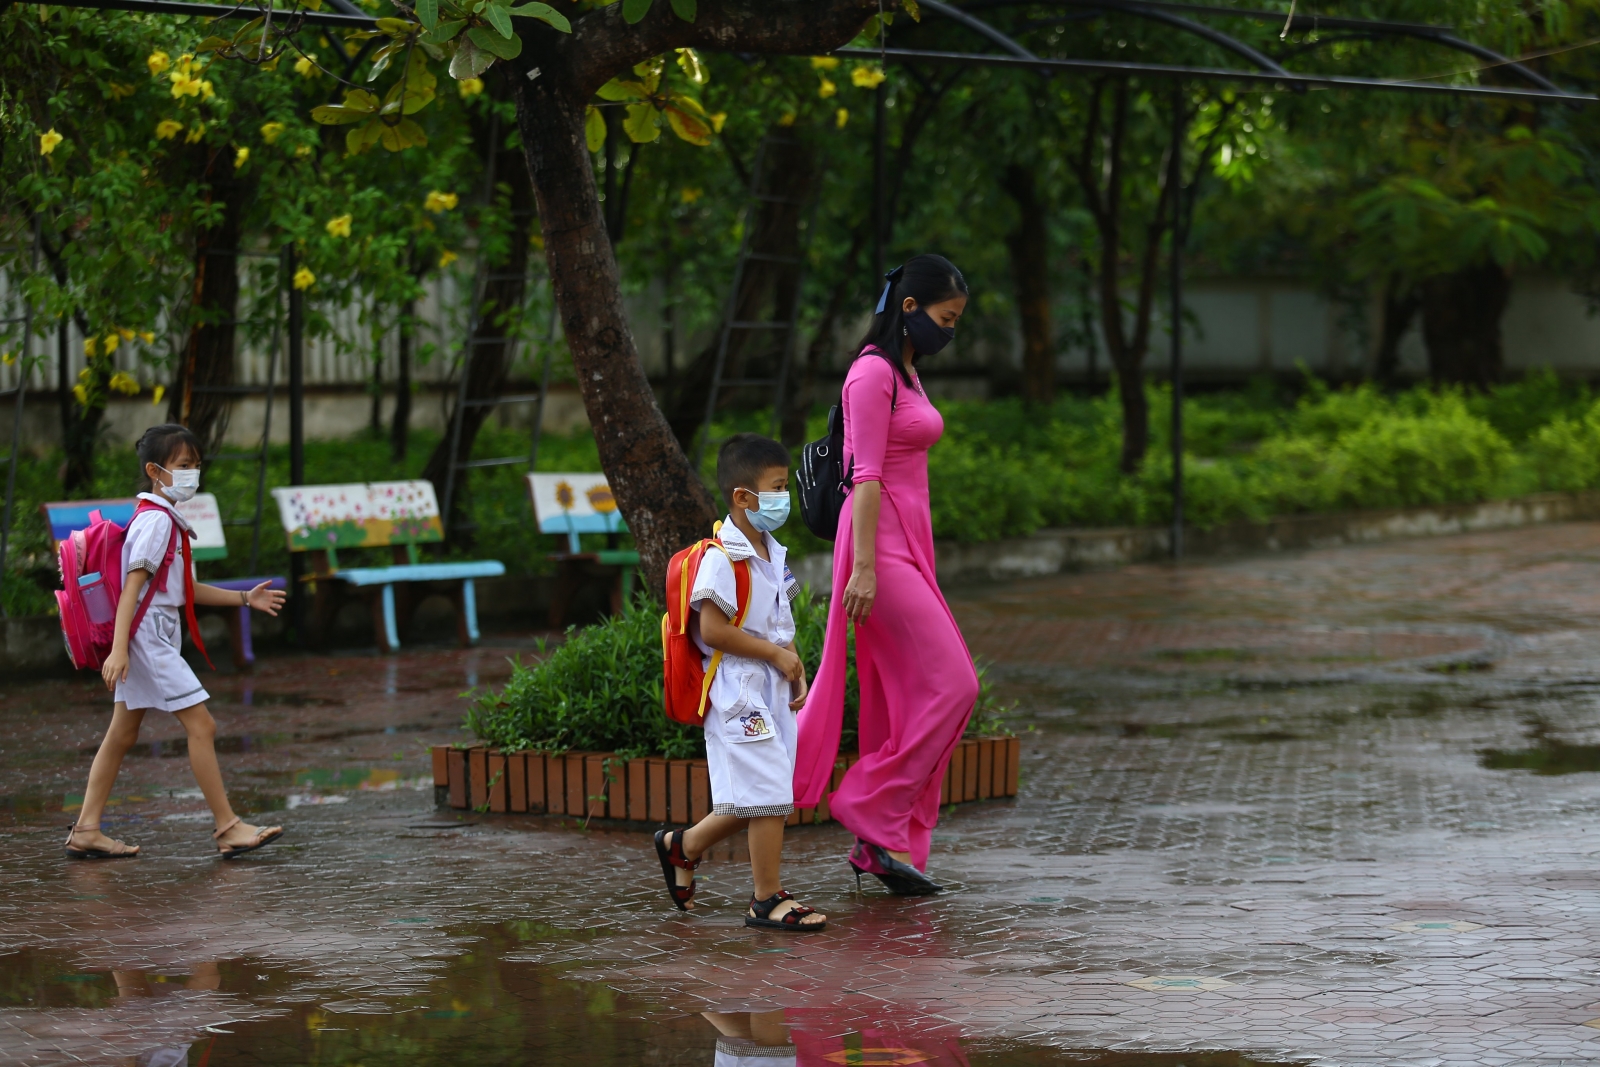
[(1448, 455), (1564, 454), (600, 691)]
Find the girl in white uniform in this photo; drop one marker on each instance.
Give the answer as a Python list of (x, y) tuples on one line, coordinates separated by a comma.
[(146, 669)]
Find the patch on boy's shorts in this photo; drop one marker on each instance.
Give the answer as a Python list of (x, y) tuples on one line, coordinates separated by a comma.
[(755, 725)]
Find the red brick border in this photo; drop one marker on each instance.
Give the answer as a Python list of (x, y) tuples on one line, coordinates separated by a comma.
[(601, 786)]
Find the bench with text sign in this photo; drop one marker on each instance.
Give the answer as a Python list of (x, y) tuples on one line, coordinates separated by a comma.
[(66, 516), (327, 519), (571, 505)]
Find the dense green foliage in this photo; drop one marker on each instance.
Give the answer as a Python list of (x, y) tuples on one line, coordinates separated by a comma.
[(600, 691)]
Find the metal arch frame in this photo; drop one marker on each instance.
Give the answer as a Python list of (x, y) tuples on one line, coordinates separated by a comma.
[(1268, 70)]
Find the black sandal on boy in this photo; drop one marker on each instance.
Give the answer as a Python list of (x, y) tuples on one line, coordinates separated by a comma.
[(117, 851), (672, 861), (790, 923)]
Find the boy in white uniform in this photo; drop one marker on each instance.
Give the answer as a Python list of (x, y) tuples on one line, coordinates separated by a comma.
[(749, 723)]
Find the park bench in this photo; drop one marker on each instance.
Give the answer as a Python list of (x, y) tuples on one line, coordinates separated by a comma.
[(326, 519), (65, 516), (573, 504)]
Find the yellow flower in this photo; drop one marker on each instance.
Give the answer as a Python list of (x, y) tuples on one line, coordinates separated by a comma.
[(787, 119), (689, 194), (124, 383), (167, 129), (83, 375), (824, 62), (120, 91), (351, 48), (159, 392), (826, 89), (304, 279), (302, 152), (865, 77), (438, 202), (183, 85), (272, 64), (148, 337), (339, 227), (841, 117), (8, 358), (48, 141), (196, 134), (447, 257), (206, 90), (306, 65), (158, 62), (271, 131), (108, 344), (717, 120), (240, 158), (469, 87), (91, 347), (125, 333), (81, 394)]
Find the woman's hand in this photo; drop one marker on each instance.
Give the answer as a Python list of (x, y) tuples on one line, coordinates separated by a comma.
[(265, 599), (860, 592), (115, 668)]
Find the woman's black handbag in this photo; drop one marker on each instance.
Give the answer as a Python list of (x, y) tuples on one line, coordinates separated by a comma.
[(823, 480)]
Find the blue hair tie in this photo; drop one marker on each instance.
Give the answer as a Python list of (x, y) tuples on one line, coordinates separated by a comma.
[(890, 278)]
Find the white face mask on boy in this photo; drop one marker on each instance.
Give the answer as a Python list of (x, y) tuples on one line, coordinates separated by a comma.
[(184, 485)]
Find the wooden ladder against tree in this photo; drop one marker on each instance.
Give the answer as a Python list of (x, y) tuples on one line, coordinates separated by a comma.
[(259, 454), (785, 310)]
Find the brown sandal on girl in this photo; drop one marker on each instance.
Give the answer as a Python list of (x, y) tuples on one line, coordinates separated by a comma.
[(117, 851), (263, 837)]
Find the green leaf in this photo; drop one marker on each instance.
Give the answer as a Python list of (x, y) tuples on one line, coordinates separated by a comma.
[(615, 90), (594, 129), (362, 137), (469, 60), (211, 44), (407, 134), (544, 13), (358, 104), (396, 27), (428, 12), (634, 10), (499, 20), (419, 84), (444, 31), (381, 58), (684, 9), (689, 127), (494, 44), (641, 125)]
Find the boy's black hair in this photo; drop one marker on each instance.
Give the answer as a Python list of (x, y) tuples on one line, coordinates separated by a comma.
[(743, 458), (160, 444)]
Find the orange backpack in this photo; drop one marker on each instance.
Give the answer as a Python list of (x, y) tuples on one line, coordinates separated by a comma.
[(685, 682)]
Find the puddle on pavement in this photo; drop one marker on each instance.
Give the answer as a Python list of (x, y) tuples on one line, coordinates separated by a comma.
[(1547, 755), (490, 1010), (233, 744)]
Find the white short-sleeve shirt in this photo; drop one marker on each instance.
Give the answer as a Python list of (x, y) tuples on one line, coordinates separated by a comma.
[(772, 586), (149, 536)]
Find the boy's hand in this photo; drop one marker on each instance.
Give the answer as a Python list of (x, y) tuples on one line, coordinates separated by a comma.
[(115, 668), (801, 688), (789, 664)]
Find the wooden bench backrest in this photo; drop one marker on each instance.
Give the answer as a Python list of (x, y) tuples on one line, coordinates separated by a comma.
[(574, 503), (359, 515), (66, 516)]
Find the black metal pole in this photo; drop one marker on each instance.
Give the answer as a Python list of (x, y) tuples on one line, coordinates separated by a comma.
[(297, 433), (879, 133), (1175, 191)]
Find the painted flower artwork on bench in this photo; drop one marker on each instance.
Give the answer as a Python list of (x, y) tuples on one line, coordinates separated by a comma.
[(361, 515)]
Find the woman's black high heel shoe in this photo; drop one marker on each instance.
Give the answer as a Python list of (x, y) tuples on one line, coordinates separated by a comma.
[(901, 879)]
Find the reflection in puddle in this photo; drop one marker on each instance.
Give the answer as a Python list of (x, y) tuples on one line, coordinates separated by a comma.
[(1549, 755)]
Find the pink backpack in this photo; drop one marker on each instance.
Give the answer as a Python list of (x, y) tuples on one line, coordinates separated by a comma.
[(91, 580)]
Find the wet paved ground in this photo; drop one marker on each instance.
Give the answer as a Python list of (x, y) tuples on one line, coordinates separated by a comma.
[(1334, 808)]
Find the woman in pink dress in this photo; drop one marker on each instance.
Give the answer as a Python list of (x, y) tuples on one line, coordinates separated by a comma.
[(918, 685)]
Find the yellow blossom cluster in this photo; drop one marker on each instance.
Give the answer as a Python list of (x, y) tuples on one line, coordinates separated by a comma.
[(240, 158), (158, 62), (304, 279), (339, 227), (447, 257), (867, 77), (271, 131), (469, 87), (826, 89), (156, 395), (124, 383), (438, 202), (48, 141), (841, 118), (824, 62), (196, 134), (186, 79), (167, 129), (306, 65)]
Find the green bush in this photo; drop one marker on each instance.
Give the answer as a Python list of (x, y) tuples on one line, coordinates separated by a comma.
[(600, 691)]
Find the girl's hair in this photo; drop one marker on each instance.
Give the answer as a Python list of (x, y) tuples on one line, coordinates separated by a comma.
[(927, 279), (160, 444)]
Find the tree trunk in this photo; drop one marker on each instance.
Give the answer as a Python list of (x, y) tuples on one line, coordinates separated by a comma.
[(1030, 271), (375, 408), (1400, 304), (1461, 324), (208, 358), (487, 361), (663, 500), (765, 291), (400, 421)]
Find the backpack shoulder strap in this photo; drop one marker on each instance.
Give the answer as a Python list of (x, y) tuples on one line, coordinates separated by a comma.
[(741, 583)]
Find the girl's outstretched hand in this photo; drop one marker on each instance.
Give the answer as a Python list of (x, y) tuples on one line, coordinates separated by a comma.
[(115, 668), (268, 600)]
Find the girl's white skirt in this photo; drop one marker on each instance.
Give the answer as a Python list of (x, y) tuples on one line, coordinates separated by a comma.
[(158, 677)]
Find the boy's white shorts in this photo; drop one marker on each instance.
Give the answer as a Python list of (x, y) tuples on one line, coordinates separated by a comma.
[(750, 740)]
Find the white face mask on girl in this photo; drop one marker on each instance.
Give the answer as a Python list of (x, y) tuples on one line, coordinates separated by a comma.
[(184, 485)]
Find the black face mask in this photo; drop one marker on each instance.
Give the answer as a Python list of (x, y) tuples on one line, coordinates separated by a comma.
[(928, 338)]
